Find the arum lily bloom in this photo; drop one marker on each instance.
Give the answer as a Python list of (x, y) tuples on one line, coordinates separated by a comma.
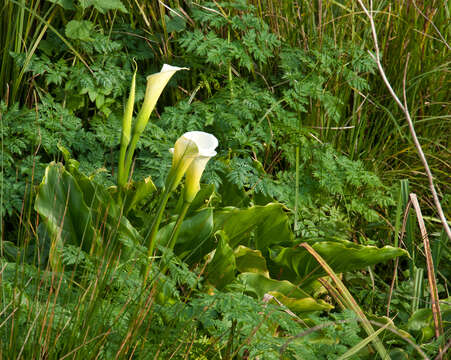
[(155, 86), (207, 144), (194, 165), (191, 154)]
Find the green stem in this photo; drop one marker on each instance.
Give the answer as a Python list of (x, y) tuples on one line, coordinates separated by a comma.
[(153, 232), (122, 176), (157, 221), (176, 229), (296, 196), (171, 182), (120, 167), (129, 158)]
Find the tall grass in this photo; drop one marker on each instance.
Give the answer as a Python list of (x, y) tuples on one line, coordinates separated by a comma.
[(374, 129), (22, 26)]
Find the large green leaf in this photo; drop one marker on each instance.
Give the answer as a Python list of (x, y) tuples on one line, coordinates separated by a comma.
[(257, 226), (221, 270), (248, 260), (105, 211), (299, 266), (68, 219), (60, 202), (284, 291), (205, 196), (80, 212), (422, 320), (233, 195), (36, 251), (194, 240)]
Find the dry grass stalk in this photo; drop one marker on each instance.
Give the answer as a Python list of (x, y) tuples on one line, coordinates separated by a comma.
[(430, 265), (349, 301)]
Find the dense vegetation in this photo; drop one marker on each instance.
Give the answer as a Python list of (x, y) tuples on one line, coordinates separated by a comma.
[(304, 240)]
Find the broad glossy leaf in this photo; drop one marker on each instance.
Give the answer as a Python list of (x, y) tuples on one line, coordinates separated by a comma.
[(194, 240), (106, 213), (60, 202), (269, 224), (10, 251), (398, 354), (301, 305), (248, 260), (299, 266), (36, 251), (221, 270), (75, 208), (286, 292), (422, 320), (387, 334)]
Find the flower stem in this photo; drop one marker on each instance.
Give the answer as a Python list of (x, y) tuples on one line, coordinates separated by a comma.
[(296, 197), (128, 157), (176, 229), (156, 222), (170, 181), (125, 135), (153, 232)]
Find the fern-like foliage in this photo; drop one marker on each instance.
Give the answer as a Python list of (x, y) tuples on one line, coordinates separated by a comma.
[(249, 45)]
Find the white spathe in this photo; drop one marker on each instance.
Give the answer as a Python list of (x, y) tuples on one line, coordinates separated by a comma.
[(167, 68), (191, 154), (205, 142), (155, 85), (193, 175)]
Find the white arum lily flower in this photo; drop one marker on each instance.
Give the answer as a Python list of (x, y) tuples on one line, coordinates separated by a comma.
[(191, 154), (155, 86), (207, 144), (193, 175)]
